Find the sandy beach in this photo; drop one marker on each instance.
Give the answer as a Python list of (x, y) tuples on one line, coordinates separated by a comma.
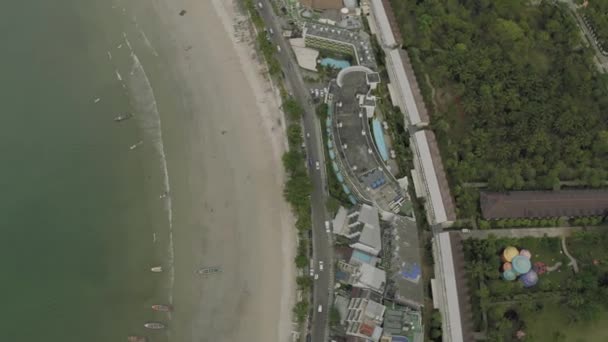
[(224, 157)]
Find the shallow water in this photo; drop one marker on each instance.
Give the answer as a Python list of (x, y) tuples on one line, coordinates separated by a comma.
[(80, 209)]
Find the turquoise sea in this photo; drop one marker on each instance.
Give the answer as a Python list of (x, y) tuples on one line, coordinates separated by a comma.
[(81, 219)]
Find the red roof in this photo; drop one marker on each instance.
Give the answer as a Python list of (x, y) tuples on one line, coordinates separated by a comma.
[(366, 329)]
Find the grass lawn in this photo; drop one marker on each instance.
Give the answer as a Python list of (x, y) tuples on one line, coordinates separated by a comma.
[(551, 325)]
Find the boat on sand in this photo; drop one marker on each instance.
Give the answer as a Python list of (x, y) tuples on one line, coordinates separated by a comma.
[(209, 270), (162, 307), (135, 338), (154, 325)]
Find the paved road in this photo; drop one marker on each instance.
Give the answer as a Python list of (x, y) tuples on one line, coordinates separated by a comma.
[(320, 240)]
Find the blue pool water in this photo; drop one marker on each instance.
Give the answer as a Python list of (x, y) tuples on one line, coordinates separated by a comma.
[(366, 258), (379, 138), (335, 63)]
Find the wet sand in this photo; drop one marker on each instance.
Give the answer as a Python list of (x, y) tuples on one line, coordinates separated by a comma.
[(227, 182)]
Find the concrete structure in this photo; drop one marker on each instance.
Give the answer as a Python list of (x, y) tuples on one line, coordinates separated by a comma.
[(430, 181), (364, 319), (539, 204), (306, 57), (323, 4), (403, 322), (362, 227), (450, 292), (340, 41), (362, 275)]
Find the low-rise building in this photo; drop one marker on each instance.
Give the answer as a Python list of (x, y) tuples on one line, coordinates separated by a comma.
[(323, 4), (362, 227), (343, 42), (364, 318)]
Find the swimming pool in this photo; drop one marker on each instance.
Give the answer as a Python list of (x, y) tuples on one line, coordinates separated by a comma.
[(334, 63), (379, 138)]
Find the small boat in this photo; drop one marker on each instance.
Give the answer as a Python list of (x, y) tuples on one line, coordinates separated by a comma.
[(154, 325), (209, 270), (156, 269), (135, 338), (96, 100), (123, 117), (134, 146), (162, 307)]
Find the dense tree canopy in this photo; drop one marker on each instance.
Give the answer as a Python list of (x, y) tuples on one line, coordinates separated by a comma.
[(519, 102)]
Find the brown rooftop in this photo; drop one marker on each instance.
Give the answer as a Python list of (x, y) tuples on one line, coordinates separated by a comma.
[(411, 76), (390, 14), (537, 204), (323, 4), (442, 179)]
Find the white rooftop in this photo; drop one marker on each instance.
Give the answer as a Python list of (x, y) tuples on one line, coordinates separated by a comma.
[(430, 177), (370, 235), (404, 90), (453, 322), (386, 33), (371, 277)]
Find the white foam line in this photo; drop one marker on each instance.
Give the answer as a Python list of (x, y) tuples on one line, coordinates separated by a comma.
[(127, 42), (148, 44), (154, 127), (118, 75), (109, 55)]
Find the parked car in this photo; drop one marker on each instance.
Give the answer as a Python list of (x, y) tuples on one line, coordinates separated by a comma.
[(320, 265), (316, 276), (320, 309), (327, 226), (312, 271), (260, 5), (317, 165)]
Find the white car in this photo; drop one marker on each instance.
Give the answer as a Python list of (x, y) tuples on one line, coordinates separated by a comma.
[(278, 48), (316, 276), (308, 135), (312, 271), (320, 309), (327, 226), (317, 166), (260, 5), (320, 265)]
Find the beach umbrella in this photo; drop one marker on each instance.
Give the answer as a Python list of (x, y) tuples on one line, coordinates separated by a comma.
[(507, 266), (529, 279), (525, 253), (521, 264), (509, 275), (509, 253)]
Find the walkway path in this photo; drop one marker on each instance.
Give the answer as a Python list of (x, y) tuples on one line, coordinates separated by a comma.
[(573, 262)]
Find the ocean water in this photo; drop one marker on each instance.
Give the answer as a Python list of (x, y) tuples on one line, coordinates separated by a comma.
[(81, 219)]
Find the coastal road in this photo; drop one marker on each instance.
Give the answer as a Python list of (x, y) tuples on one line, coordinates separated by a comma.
[(314, 145)]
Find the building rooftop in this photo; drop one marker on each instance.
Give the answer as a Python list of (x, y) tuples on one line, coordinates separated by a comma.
[(371, 277), (409, 98), (322, 4), (536, 204), (359, 40), (387, 23), (435, 177), (402, 255)]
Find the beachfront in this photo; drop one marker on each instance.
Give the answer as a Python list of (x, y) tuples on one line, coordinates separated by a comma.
[(224, 158)]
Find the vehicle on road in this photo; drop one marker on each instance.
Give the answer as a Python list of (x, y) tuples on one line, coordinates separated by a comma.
[(278, 48), (320, 309), (260, 5), (317, 165), (327, 226), (308, 135), (320, 265), (312, 271), (271, 31), (316, 276)]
